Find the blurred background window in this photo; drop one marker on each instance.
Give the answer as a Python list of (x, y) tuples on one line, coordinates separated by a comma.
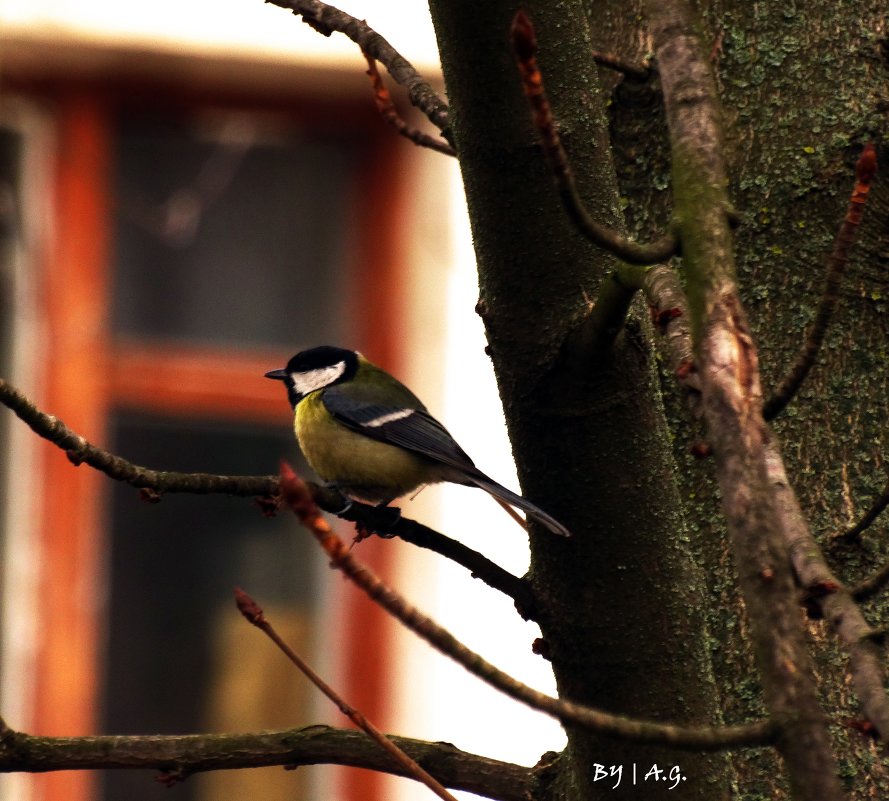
[(193, 240), (189, 193)]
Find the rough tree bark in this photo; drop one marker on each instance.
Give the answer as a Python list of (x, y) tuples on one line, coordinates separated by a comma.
[(793, 135), (802, 87), (621, 604)]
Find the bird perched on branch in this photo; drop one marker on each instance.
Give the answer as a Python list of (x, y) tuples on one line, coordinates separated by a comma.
[(364, 432)]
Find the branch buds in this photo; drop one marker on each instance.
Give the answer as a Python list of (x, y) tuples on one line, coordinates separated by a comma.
[(524, 40)]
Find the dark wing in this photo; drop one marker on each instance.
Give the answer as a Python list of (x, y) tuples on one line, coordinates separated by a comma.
[(412, 429), (417, 431)]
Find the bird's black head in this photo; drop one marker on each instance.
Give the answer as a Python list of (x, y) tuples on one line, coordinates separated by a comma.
[(314, 369)]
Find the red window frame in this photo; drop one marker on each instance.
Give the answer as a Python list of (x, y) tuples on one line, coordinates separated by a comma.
[(85, 374)]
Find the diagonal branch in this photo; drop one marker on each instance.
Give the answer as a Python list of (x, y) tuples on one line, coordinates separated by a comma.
[(868, 587), (80, 451), (256, 617), (704, 738), (834, 602), (524, 43), (179, 756), (265, 489), (837, 262), (728, 368), (380, 521), (853, 533), (390, 114), (326, 19)]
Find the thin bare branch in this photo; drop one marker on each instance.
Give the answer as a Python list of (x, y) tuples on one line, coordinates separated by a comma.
[(638, 72), (837, 262), (867, 520), (836, 604), (254, 615), (180, 756), (381, 521), (731, 400), (867, 588), (326, 19), (824, 591), (703, 738), (390, 114), (80, 451), (524, 43)]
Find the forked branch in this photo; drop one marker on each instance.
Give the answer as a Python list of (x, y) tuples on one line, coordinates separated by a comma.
[(265, 490), (524, 43), (728, 369), (326, 19), (703, 738), (390, 114), (824, 591)]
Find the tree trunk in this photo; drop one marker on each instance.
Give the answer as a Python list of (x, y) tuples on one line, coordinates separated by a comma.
[(620, 604), (803, 87)]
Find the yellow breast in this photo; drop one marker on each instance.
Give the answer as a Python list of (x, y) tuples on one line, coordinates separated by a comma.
[(360, 466)]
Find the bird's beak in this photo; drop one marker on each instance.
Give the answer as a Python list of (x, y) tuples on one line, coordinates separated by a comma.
[(278, 375)]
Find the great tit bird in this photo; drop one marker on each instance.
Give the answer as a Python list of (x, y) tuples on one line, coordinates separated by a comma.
[(368, 435)]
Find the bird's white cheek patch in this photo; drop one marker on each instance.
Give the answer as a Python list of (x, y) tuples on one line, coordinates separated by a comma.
[(388, 418), (309, 381)]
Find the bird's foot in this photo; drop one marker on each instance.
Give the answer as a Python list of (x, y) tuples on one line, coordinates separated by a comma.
[(380, 520), (386, 517)]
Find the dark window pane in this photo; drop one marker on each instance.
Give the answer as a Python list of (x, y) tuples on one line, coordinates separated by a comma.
[(232, 241), (174, 641)]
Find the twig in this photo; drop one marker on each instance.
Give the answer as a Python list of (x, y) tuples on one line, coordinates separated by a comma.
[(824, 591), (854, 533), (835, 603), (79, 450), (638, 72), (524, 44), (185, 755), (867, 588), (389, 113), (837, 262), (476, 563), (381, 521), (385, 521), (728, 368), (705, 738), (326, 19), (254, 615)]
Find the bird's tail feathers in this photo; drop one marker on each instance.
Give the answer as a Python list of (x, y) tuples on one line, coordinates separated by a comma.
[(508, 496)]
